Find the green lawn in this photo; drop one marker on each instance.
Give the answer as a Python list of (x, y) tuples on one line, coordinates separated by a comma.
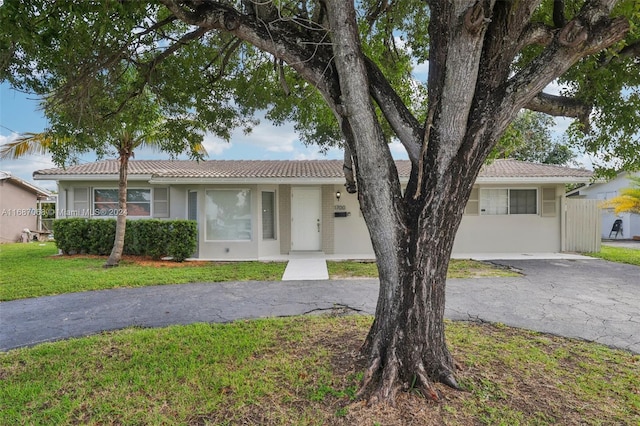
[(35, 269), (32, 270), (618, 254), (301, 371)]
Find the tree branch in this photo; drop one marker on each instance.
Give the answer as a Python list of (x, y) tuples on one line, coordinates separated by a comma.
[(402, 121), (561, 106), (559, 19), (630, 51), (282, 38), (196, 34), (536, 33), (591, 31)]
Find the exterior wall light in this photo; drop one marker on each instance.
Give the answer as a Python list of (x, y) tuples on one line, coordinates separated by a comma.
[(338, 195)]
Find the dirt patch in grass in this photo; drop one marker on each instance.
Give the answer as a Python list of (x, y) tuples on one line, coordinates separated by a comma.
[(139, 260), (547, 383)]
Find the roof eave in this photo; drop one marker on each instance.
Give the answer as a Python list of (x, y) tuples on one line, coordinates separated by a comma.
[(29, 187), (559, 180)]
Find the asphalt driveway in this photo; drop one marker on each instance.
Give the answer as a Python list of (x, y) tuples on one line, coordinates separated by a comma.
[(589, 299)]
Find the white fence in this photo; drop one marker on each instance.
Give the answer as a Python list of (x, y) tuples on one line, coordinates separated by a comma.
[(582, 226)]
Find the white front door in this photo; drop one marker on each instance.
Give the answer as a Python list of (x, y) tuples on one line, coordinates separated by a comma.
[(306, 214)]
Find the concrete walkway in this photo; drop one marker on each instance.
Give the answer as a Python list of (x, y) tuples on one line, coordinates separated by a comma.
[(306, 266), (587, 298)]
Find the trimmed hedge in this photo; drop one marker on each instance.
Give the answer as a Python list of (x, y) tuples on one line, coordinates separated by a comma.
[(145, 237)]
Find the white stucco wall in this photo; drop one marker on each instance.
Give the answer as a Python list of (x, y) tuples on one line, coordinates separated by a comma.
[(351, 233), (508, 234)]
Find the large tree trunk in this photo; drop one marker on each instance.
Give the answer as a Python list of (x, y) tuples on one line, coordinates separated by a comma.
[(121, 218), (412, 234)]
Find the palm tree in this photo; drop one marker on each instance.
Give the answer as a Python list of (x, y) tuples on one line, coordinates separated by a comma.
[(125, 143), (628, 201)]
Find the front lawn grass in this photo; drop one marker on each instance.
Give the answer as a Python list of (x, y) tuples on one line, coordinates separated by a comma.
[(302, 371), (458, 268), (618, 254), (35, 269)]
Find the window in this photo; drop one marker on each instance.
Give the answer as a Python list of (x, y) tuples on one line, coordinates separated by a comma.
[(228, 215), (549, 202), (508, 201), (160, 202), (494, 201), (105, 202), (523, 201), (80, 202), (268, 216), (473, 204)]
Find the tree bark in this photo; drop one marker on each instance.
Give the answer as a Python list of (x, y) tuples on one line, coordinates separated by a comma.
[(121, 218)]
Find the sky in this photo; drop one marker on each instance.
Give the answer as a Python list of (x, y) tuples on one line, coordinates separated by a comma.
[(20, 113)]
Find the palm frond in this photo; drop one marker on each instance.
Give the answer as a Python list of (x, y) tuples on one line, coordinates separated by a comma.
[(27, 144)]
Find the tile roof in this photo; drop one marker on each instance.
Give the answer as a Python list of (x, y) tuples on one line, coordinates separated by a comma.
[(225, 169), (40, 192), (509, 168)]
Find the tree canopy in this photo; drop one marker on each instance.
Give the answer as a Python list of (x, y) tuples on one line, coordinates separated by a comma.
[(207, 78), (528, 138)]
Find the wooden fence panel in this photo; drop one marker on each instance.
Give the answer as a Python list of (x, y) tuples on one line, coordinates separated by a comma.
[(583, 223)]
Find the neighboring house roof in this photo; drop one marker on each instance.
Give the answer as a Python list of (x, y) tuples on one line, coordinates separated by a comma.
[(593, 187), (39, 192), (282, 171)]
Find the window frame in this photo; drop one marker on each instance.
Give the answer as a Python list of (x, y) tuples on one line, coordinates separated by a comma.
[(482, 207), (114, 209)]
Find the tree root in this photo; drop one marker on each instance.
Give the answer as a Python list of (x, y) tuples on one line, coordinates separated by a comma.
[(381, 383)]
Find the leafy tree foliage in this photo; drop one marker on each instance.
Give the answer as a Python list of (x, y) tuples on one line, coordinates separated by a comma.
[(343, 72), (528, 138)]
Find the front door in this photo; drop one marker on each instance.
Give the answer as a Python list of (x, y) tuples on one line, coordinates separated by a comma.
[(306, 214)]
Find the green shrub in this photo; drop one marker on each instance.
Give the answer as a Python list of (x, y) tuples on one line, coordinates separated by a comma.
[(145, 237), (101, 235), (72, 235), (182, 239)]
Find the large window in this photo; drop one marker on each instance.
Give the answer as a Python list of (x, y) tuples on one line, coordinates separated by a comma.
[(268, 215), (105, 202), (508, 201), (228, 215)]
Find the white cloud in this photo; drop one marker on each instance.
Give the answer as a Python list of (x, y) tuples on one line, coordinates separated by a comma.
[(215, 146), (270, 137)]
